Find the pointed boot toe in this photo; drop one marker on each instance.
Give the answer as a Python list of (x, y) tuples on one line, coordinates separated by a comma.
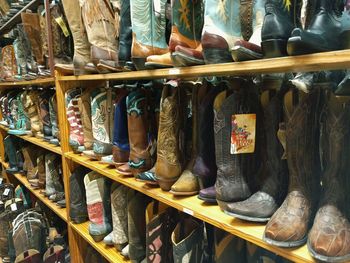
[(208, 195), (187, 184)]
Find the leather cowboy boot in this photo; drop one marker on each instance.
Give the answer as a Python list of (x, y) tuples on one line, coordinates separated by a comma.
[(289, 225), (281, 17), (54, 254), (237, 145), (263, 204), (39, 181), (51, 166), (30, 156), (54, 121), (10, 149), (22, 124), (9, 66), (99, 22), (45, 114), (84, 103), (81, 60), (170, 146), (78, 209), (29, 104), (125, 33), (323, 33), (102, 119), (121, 146), (6, 192), (253, 16), (148, 31), (187, 23), (29, 256), (222, 28), (329, 236), (98, 204)]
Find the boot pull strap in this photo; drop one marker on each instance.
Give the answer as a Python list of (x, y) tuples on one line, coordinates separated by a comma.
[(246, 18)]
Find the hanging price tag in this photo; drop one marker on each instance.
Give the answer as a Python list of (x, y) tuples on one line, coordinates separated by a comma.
[(13, 207), (243, 128), (6, 192), (62, 25), (188, 211)]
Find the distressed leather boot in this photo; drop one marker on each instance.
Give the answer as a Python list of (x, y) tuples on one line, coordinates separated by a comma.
[(170, 144), (29, 256), (186, 29), (289, 225), (329, 237), (10, 149), (281, 17), (125, 33), (323, 33), (121, 147), (21, 121), (148, 26), (54, 121), (9, 66), (54, 254), (100, 27), (30, 106), (84, 104), (98, 204), (78, 209), (53, 183), (45, 114), (263, 204), (81, 60), (30, 156), (238, 118)]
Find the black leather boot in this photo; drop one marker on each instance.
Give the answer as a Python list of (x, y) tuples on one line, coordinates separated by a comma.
[(125, 34), (10, 149), (323, 33), (280, 19)]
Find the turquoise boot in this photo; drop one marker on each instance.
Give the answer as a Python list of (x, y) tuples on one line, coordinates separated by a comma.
[(21, 121)]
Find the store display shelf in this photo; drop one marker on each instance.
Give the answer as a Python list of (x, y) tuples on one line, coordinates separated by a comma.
[(38, 82), (314, 62), (40, 142), (32, 5), (109, 252), (61, 212), (193, 206)]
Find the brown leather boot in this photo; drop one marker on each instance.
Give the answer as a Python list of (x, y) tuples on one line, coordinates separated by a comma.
[(30, 103), (170, 146), (290, 224), (40, 181), (329, 237), (84, 104)]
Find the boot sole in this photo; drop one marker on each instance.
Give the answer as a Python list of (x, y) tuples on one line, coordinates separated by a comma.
[(296, 46), (124, 173), (273, 48), (285, 244), (207, 200), (78, 220), (181, 60), (139, 63), (153, 65), (248, 218), (244, 54), (183, 193), (147, 182), (216, 56), (166, 184), (322, 258)]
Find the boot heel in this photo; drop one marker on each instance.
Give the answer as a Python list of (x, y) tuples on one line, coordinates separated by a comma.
[(274, 48), (216, 55), (139, 63)]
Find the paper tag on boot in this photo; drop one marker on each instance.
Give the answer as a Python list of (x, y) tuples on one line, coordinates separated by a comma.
[(62, 25), (13, 207), (1, 180), (243, 129), (6, 192)]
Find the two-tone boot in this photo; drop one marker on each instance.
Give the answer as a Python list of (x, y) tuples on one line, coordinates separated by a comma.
[(125, 35), (84, 104), (44, 99), (290, 224), (10, 149), (40, 180), (30, 102), (54, 121), (22, 124), (9, 66)]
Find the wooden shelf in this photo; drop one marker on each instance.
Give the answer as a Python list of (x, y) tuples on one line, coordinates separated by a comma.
[(40, 142), (193, 206), (17, 17), (109, 252), (314, 62), (61, 212), (37, 82)]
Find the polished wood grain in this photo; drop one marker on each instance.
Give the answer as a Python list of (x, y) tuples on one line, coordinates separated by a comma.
[(195, 207), (40, 82)]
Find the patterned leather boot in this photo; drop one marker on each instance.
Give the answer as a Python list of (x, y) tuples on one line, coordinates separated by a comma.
[(329, 237), (54, 254), (238, 117), (289, 225), (263, 204), (45, 114), (30, 107), (148, 31), (10, 149), (54, 121), (9, 66), (281, 17), (22, 124), (125, 33), (84, 103)]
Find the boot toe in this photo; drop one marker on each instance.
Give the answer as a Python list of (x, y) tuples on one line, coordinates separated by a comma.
[(186, 184)]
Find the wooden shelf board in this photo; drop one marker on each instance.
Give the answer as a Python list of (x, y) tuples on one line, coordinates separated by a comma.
[(44, 81), (109, 252), (192, 205), (61, 212), (17, 17), (40, 142), (313, 62)]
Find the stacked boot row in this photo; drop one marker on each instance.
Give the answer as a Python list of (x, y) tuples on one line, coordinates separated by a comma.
[(31, 111), (42, 169), (145, 230), (41, 244)]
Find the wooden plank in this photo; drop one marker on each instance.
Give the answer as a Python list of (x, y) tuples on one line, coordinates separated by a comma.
[(43, 82), (192, 205), (314, 62), (109, 252), (61, 212)]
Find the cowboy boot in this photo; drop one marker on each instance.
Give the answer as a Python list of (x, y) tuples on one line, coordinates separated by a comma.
[(9, 66), (250, 50), (187, 239), (101, 119), (263, 204), (121, 147), (10, 149), (6, 192), (40, 179), (29, 256), (45, 114), (281, 17), (98, 205), (187, 23), (237, 118), (54, 121), (323, 33), (19, 49), (30, 154), (100, 26), (289, 225), (22, 124), (148, 28), (170, 145), (125, 34), (29, 105), (78, 209), (84, 104), (54, 254), (222, 28), (329, 236), (52, 175)]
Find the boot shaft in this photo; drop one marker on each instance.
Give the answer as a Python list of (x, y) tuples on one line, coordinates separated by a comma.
[(125, 36), (84, 103)]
